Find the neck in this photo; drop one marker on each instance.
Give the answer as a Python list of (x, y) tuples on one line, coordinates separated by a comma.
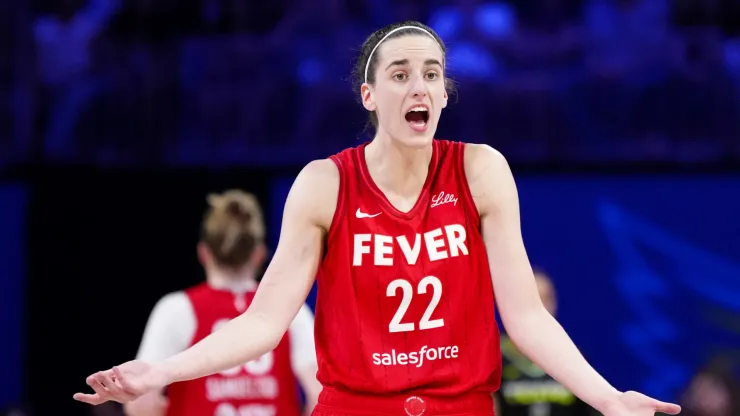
[(239, 281), (395, 167)]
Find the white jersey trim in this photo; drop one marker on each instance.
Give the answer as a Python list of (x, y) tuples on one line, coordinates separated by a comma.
[(172, 325)]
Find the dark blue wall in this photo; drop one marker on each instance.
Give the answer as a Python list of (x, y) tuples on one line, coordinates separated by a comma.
[(13, 199)]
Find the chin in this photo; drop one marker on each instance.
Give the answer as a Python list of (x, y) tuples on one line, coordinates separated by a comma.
[(417, 139), (417, 142)]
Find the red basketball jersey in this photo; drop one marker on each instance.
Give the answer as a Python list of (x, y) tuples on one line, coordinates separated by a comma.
[(405, 300), (262, 387)]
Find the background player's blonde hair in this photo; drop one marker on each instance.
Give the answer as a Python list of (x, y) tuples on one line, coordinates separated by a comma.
[(233, 227)]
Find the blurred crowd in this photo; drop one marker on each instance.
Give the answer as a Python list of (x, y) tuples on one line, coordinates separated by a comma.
[(247, 81)]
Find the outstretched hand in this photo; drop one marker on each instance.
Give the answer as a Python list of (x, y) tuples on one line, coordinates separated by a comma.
[(124, 383), (632, 403)]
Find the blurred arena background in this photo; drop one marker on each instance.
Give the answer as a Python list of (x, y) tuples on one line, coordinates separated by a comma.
[(621, 119)]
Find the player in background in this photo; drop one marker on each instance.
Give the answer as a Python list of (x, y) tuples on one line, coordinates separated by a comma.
[(526, 390), (232, 252), (411, 237)]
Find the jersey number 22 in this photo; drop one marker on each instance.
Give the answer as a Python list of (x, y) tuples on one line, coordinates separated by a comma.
[(407, 293)]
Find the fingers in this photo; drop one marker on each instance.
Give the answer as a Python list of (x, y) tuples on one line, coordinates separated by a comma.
[(124, 382), (107, 387), (97, 384), (667, 408), (111, 383), (93, 399)]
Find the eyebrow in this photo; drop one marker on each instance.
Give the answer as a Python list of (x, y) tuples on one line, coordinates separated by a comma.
[(401, 62)]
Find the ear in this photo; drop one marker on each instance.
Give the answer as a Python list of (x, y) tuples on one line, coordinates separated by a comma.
[(204, 255), (444, 101), (368, 101), (258, 256)]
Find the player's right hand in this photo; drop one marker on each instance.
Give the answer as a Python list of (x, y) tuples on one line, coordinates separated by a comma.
[(124, 383)]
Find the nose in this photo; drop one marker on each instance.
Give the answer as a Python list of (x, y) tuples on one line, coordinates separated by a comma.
[(418, 87)]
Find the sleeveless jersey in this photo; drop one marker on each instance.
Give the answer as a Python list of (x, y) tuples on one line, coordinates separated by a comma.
[(405, 300), (262, 387)]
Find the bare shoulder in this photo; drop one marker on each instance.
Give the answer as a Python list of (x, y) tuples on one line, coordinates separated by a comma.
[(481, 159), (314, 193), (489, 176), (321, 169)]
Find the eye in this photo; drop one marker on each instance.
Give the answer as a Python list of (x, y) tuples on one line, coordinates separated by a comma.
[(400, 76), (432, 76)]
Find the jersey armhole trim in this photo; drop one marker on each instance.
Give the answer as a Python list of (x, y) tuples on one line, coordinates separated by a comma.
[(339, 208), (196, 327), (467, 195)]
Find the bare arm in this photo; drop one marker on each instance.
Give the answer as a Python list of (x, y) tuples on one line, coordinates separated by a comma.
[(308, 212), (527, 323)]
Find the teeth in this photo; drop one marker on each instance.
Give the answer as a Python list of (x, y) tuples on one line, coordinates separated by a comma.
[(422, 109)]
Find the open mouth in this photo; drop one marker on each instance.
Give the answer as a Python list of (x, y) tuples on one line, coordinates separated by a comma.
[(418, 117)]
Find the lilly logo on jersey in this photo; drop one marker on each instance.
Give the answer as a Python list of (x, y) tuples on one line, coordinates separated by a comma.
[(439, 244), (443, 198)]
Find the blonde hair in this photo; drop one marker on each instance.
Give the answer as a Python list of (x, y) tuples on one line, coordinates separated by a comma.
[(233, 227)]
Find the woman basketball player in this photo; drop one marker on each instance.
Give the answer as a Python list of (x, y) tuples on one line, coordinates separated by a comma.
[(232, 251), (409, 237)]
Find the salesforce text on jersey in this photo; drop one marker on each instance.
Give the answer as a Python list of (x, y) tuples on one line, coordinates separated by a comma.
[(416, 358)]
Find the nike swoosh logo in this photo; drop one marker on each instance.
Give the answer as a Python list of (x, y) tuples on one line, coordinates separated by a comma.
[(360, 214)]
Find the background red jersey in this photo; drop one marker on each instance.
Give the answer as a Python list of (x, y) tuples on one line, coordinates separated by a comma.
[(262, 387), (405, 300)]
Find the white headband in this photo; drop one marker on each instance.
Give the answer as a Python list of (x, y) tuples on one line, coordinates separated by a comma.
[(370, 57)]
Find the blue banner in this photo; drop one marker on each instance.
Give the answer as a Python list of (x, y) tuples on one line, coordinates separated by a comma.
[(647, 269), (13, 200)]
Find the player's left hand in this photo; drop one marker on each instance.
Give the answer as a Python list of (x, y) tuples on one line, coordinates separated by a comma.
[(632, 403), (124, 383)]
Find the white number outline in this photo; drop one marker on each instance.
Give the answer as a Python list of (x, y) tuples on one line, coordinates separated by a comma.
[(407, 293)]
